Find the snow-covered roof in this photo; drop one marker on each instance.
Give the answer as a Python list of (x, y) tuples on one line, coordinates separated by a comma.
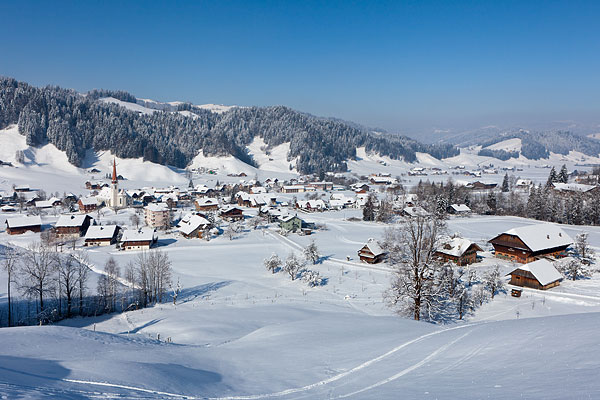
[(190, 223), (416, 211), (542, 270), (101, 232), (374, 247), (311, 203), (455, 246), (20, 222), (460, 207), (541, 236), (157, 207), (573, 187), (71, 220), (88, 201), (207, 201), (288, 218), (143, 234)]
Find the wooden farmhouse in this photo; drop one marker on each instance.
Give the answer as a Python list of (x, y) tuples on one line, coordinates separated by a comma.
[(458, 250), (311, 205), (101, 235), (87, 204), (231, 214), (138, 239), (539, 274), (528, 243), (19, 225), (192, 226), (72, 225), (290, 223), (206, 204), (371, 252), (459, 209)]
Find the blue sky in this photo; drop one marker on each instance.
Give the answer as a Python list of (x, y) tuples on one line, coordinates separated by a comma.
[(406, 66)]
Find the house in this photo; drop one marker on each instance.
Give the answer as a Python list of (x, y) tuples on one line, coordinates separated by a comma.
[(193, 226), (479, 185), (87, 204), (539, 274), (528, 243), (101, 235), (321, 185), (19, 225), (576, 188), (231, 214), (458, 250), (8, 208), (206, 204), (415, 211), (73, 225), (360, 188), (524, 183), (157, 215), (52, 202), (311, 205), (459, 209), (138, 239), (290, 223), (371, 252), (293, 189)]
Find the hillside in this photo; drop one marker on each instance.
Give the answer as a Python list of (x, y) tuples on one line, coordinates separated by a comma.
[(175, 133)]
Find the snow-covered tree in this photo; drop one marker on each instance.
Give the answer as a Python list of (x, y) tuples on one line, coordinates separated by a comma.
[(10, 258), (37, 266), (369, 208), (573, 268), (273, 263), (292, 265), (311, 252), (411, 252), (493, 281), (563, 175), (505, 187), (312, 278), (583, 249)]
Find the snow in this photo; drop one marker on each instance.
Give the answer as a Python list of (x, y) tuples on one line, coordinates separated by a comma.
[(19, 222), (71, 220), (457, 246), (541, 236), (543, 270), (276, 160), (100, 232), (130, 106), (507, 145), (142, 234)]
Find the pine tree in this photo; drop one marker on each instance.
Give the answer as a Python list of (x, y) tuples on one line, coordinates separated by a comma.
[(505, 187), (563, 175), (369, 208)]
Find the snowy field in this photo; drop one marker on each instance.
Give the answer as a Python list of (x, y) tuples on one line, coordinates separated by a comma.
[(240, 332)]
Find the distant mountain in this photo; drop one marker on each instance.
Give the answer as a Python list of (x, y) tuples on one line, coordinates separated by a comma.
[(174, 133)]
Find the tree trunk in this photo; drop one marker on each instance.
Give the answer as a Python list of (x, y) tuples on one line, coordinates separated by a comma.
[(9, 308)]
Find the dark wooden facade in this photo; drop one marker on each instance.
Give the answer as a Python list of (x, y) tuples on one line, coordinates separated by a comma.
[(232, 214), (466, 258), (22, 229), (86, 208), (512, 248), (520, 277), (365, 254)]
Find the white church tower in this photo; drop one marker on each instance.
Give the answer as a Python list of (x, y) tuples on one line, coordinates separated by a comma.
[(114, 188)]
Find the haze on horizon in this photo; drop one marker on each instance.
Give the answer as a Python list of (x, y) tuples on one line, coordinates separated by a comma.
[(411, 67)]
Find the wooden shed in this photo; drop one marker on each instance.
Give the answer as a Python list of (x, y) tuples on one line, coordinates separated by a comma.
[(539, 274), (371, 252)]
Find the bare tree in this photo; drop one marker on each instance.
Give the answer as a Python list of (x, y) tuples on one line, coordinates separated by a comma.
[(585, 253), (81, 265), (411, 252), (135, 220), (9, 264), (112, 273), (67, 268), (37, 267)]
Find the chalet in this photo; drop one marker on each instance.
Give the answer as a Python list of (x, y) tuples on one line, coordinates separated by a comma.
[(414, 212), (371, 252), (576, 188), (458, 250), (8, 208), (87, 204), (524, 183), (360, 188), (231, 214), (291, 223), (19, 225), (157, 215), (22, 189), (539, 274), (101, 235), (479, 185), (192, 226), (206, 204), (321, 185), (258, 190), (138, 239), (311, 205), (459, 209), (95, 185), (52, 202), (528, 243), (382, 180), (293, 189), (73, 225)]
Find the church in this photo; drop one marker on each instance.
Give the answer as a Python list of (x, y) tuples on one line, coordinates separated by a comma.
[(111, 196)]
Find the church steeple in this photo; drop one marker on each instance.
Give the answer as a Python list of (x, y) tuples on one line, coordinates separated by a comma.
[(114, 176)]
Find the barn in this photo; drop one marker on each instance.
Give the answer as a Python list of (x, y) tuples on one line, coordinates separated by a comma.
[(539, 274), (19, 225), (231, 214), (458, 250), (528, 243), (138, 239), (192, 226), (371, 252), (72, 225), (101, 235)]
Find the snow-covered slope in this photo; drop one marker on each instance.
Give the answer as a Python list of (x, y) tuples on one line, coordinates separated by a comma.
[(276, 160), (507, 145)]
